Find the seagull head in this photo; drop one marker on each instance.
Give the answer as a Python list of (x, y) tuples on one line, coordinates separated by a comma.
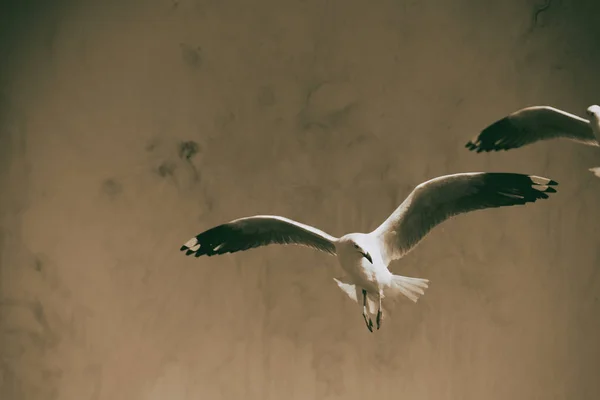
[(354, 245), (593, 111)]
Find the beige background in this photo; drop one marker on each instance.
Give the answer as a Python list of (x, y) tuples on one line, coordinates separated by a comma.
[(328, 112)]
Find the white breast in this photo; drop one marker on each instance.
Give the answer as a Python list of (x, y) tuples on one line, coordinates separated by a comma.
[(595, 123), (366, 275)]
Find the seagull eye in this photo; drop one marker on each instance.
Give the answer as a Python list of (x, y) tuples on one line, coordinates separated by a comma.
[(355, 246)]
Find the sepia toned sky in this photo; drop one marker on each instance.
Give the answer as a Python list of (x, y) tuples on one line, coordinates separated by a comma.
[(126, 127)]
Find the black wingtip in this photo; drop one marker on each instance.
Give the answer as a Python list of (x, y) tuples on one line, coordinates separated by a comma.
[(493, 137), (189, 246), (521, 188), (471, 146), (543, 186), (476, 147), (541, 181)]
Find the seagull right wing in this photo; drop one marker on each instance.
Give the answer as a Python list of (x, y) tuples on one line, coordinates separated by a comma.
[(256, 231), (532, 124), (439, 199)]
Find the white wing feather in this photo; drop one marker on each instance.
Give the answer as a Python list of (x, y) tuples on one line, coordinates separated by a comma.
[(436, 200)]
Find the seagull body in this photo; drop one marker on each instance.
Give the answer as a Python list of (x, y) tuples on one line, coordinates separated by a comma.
[(537, 123), (365, 257)]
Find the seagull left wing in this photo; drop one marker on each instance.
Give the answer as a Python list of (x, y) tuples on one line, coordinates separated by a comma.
[(256, 231), (439, 199)]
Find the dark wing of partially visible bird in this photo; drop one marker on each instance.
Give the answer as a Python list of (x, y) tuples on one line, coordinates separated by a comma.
[(530, 125), (439, 199), (256, 231)]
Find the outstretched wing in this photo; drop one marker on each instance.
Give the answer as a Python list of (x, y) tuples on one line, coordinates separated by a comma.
[(439, 199), (530, 125), (259, 230)]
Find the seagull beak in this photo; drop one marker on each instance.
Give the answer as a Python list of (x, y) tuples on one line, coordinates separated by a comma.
[(368, 257)]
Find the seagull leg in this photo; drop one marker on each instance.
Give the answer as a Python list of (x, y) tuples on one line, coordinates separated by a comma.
[(367, 320), (379, 312)]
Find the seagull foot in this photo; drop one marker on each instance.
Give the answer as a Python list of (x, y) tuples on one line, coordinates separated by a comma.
[(379, 318), (368, 322)]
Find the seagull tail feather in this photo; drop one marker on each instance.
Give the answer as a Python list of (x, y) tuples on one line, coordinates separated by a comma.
[(412, 288)]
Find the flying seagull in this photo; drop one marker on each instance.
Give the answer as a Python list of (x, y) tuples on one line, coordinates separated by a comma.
[(533, 124), (365, 256)]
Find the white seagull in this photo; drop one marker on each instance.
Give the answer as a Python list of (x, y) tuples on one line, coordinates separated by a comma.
[(532, 124), (365, 257)]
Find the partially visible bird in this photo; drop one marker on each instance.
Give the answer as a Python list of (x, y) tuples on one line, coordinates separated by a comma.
[(365, 256), (532, 124)]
